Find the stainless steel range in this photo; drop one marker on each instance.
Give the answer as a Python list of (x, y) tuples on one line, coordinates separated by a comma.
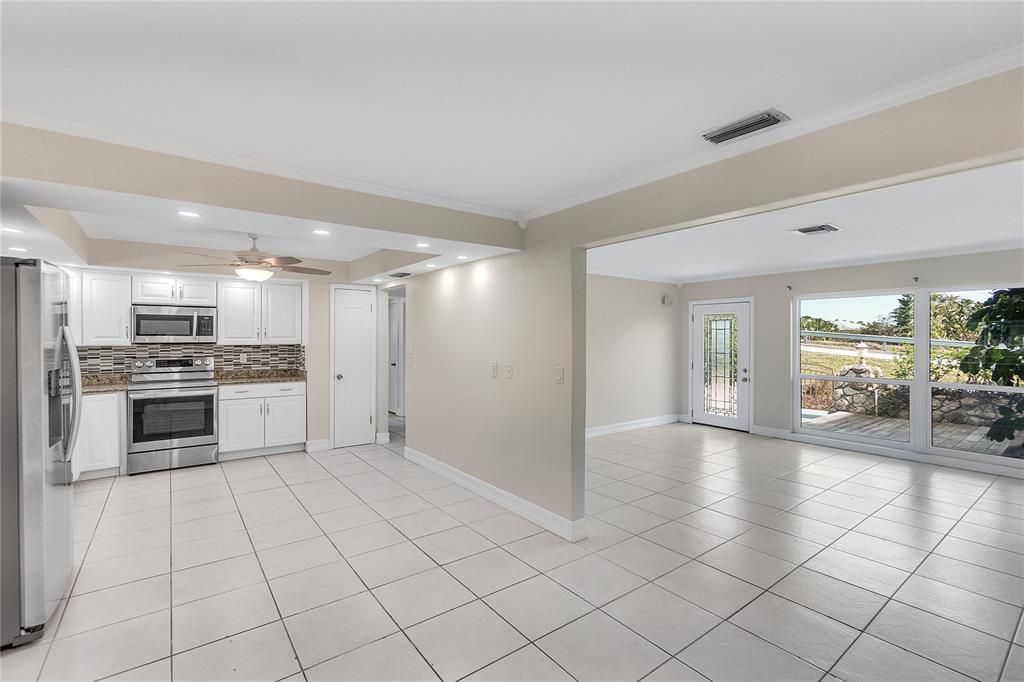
[(172, 414)]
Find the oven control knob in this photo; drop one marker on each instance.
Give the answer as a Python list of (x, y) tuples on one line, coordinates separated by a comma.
[(138, 363), (198, 362), (149, 363), (207, 361)]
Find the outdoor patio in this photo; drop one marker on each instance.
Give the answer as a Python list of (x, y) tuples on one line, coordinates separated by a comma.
[(963, 437)]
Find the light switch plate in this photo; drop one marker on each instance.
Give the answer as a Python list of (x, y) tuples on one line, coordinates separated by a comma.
[(508, 371), (559, 375), (494, 368)]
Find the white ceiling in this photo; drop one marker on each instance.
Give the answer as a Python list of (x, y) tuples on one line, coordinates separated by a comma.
[(972, 211), (113, 215), (504, 108)]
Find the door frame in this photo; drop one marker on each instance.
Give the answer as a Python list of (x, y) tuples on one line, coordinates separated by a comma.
[(750, 361), (374, 312)]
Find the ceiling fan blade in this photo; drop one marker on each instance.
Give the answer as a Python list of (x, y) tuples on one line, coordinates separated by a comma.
[(304, 271), (196, 253), (208, 265), (281, 260)]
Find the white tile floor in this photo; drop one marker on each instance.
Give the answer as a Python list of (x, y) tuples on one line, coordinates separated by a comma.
[(712, 555)]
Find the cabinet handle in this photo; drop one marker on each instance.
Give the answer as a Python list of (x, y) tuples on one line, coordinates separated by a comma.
[(126, 331), (261, 409), (241, 392), (286, 389), (181, 291), (268, 408)]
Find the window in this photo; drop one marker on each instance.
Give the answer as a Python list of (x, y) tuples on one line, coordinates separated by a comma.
[(976, 372), (857, 365), (950, 381)]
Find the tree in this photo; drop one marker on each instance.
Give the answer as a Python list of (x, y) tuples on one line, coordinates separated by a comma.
[(903, 316), (816, 324), (999, 349)]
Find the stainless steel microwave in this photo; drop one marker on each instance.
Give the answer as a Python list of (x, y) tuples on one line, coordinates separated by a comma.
[(173, 324)]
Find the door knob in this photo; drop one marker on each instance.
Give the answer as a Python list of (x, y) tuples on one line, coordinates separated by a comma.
[(339, 376), (744, 380), (393, 364)]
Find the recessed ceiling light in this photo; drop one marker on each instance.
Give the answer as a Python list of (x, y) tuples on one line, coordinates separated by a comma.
[(13, 230), (164, 272), (321, 231), (462, 257), (17, 248), (188, 214), (431, 265), (423, 245), (378, 280)]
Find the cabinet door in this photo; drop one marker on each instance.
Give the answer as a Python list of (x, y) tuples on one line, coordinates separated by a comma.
[(240, 424), (153, 290), (285, 420), (99, 437), (106, 309), (201, 292), (282, 313), (238, 313)]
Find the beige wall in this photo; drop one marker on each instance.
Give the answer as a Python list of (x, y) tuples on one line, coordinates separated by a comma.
[(526, 435), (633, 348), (773, 310)]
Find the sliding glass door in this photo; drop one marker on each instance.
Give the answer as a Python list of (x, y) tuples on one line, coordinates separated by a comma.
[(928, 370)]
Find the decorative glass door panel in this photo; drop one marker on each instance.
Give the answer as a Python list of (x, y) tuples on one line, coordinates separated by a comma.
[(720, 377)]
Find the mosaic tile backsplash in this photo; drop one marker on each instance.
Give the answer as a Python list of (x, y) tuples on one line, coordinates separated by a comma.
[(119, 359)]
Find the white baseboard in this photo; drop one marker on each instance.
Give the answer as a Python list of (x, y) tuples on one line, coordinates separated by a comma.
[(645, 423), (559, 525), (896, 453), (318, 445), (685, 419), (383, 438)]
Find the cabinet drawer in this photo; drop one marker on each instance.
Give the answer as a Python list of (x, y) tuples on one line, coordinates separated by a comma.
[(232, 391)]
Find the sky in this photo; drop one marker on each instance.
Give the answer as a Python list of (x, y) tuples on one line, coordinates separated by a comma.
[(865, 308)]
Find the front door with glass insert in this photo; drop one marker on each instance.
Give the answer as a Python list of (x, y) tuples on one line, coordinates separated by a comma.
[(720, 375)]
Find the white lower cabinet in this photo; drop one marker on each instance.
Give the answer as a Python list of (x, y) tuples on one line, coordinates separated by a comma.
[(240, 424), (285, 420), (253, 416), (101, 436)]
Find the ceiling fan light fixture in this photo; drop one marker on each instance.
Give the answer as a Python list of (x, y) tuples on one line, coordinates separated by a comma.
[(254, 274)]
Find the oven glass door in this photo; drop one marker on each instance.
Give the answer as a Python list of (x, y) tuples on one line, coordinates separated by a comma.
[(171, 419), (157, 324)]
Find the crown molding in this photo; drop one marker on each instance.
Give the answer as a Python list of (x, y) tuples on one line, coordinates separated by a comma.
[(35, 120), (991, 65)]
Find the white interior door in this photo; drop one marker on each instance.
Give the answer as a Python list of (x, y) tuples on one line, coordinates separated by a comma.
[(353, 367), (396, 356), (720, 377)]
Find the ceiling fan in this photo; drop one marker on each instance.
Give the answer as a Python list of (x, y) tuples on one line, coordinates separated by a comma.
[(257, 266)]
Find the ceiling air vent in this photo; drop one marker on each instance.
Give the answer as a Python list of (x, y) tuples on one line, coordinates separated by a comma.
[(400, 275), (745, 126), (816, 229)]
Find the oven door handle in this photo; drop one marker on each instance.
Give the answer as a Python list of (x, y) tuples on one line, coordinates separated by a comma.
[(172, 392)]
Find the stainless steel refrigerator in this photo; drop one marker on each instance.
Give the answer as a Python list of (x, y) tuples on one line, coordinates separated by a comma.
[(40, 401)]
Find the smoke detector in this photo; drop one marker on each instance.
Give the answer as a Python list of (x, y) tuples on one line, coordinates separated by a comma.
[(745, 126), (824, 228)]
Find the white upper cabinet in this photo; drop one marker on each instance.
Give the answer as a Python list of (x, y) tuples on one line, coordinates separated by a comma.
[(282, 313), (153, 290), (239, 313), (250, 313), (106, 309), (201, 292), (157, 290)]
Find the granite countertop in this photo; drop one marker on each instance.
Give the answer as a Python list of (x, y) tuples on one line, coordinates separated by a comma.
[(111, 383)]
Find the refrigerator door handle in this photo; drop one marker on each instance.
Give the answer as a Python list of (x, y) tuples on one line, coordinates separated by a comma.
[(76, 383)]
